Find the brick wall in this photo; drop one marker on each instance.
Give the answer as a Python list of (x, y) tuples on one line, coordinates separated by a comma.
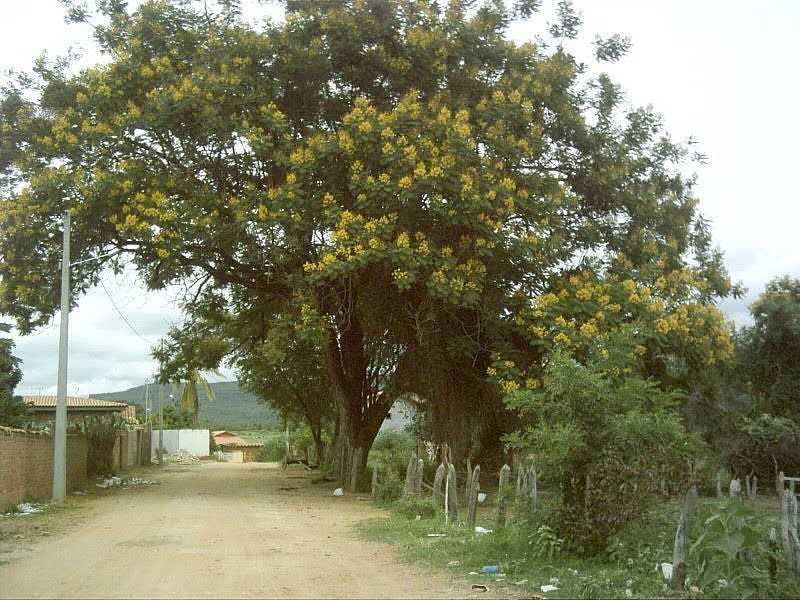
[(26, 465)]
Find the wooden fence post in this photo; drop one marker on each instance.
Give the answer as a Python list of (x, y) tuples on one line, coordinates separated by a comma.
[(735, 489), (682, 539), (502, 499), (719, 485), (438, 483), (418, 472), (451, 495), (791, 543), (374, 486), (534, 485), (754, 488), (468, 480), (472, 499)]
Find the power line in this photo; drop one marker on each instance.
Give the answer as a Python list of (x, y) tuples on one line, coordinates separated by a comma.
[(122, 316)]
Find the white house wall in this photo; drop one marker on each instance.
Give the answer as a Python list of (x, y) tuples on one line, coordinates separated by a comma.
[(191, 440)]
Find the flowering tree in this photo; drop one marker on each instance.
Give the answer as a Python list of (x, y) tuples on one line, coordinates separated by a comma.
[(401, 172)]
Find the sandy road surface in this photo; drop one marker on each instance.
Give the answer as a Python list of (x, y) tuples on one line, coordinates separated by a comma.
[(220, 530)]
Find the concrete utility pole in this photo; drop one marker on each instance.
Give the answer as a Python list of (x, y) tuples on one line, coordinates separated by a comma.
[(160, 425), (60, 434), (147, 401)]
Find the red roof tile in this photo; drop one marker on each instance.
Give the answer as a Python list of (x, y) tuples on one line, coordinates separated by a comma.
[(45, 402)]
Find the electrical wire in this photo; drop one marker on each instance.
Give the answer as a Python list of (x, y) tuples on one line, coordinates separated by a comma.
[(122, 316)]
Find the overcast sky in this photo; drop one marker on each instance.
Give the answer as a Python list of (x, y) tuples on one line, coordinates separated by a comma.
[(724, 72)]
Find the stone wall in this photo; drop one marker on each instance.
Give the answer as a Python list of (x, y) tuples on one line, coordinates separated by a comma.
[(26, 465)]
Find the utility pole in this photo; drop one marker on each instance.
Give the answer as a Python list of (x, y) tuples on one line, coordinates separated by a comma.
[(60, 434), (148, 423), (147, 400), (160, 425)]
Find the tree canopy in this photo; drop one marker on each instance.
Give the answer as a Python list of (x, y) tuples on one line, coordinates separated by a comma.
[(771, 348), (437, 199)]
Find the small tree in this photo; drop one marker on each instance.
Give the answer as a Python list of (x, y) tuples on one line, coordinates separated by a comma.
[(606, 437), (764, 445), (12, 409), (770, 348), (288, 371), (101, 433)]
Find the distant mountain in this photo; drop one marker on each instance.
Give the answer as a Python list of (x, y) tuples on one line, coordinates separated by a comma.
[(234, 407)]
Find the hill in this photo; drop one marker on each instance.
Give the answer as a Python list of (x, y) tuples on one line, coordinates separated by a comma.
[(234, 407)]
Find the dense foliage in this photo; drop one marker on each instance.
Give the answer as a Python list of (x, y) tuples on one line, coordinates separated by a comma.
[(771, 348), (287, 370), (101, 434), (12, 409), (605, 442), (175, 417), (755, 423)]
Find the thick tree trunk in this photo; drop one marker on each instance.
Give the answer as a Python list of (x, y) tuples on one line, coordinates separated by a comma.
[(314, 423), (319, 450), (360, 409)]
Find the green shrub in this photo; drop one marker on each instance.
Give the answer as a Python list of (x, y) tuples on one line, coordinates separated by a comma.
[(413, 506), (391, 451), (545, 543), (176, 417), (607, 440), (100, 434), (389, 486), (272, 450)]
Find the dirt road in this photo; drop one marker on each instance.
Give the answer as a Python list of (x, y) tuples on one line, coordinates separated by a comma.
[(220, 530)]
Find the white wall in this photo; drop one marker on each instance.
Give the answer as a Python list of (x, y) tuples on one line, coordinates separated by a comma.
[(191, 440)]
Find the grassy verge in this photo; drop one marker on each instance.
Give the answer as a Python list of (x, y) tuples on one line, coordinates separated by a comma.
[(628, 569)]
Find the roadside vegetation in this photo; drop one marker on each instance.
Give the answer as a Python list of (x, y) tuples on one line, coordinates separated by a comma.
[(530, 555), (730, 551)]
